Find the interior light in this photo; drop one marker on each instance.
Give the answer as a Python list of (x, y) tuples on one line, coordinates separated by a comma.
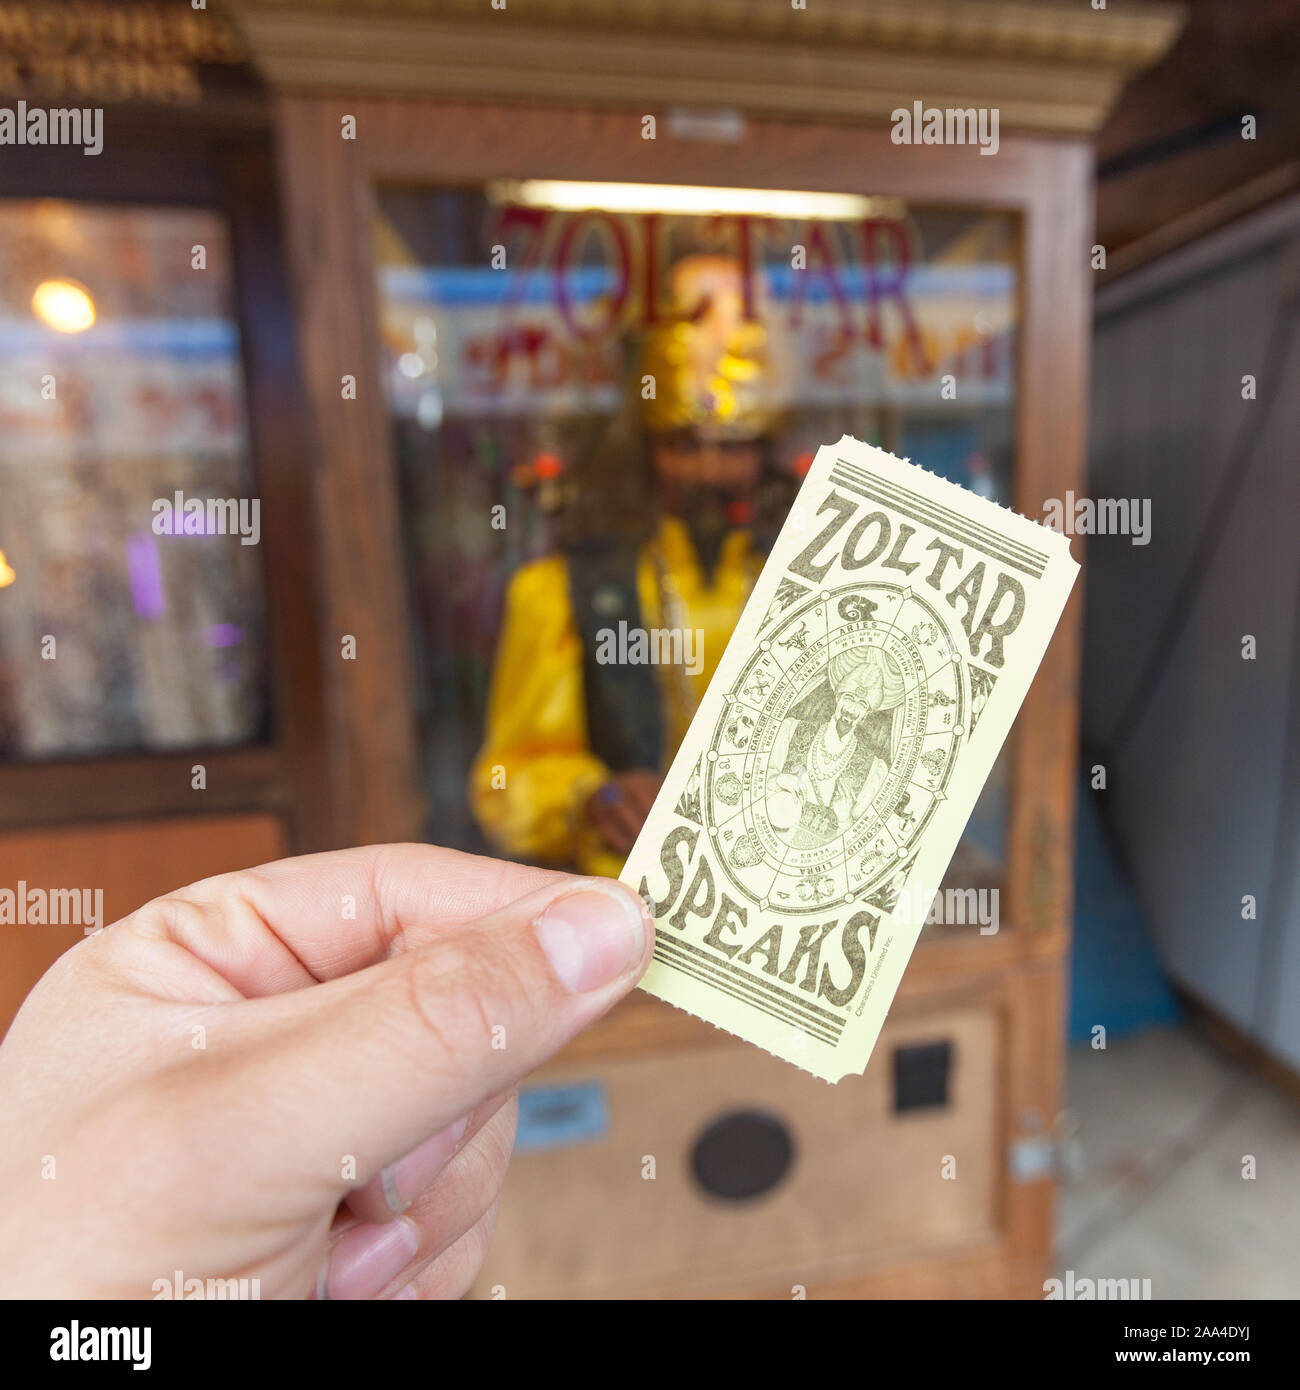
[(64, 305), (573, 196)]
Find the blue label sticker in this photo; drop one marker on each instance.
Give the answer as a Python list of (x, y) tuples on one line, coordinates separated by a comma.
[(553, 1117)]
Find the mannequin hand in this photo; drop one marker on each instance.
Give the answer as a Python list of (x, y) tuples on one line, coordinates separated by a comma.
[(618, 809)]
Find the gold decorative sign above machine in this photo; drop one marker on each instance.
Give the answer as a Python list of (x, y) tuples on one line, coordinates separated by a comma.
[(107, 53)]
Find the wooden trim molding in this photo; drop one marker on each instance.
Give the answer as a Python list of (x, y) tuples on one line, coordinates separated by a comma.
[(1046, 67), (1275, 188), (1209, 250), (75, 792)]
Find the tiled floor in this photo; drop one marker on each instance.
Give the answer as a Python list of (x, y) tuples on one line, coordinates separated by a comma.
[(1165, 1122)]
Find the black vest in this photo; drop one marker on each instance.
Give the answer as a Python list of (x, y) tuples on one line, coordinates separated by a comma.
[(624, 715), (624, 720)]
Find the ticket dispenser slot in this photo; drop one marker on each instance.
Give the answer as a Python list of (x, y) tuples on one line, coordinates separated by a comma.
[(921, 1073)]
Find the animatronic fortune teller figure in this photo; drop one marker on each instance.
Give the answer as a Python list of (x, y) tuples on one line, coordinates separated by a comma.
[(580, 725)]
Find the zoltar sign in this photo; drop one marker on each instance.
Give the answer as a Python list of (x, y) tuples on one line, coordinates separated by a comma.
[(112, 53)]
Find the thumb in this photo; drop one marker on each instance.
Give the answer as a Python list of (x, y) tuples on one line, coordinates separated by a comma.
[(374, 1062)]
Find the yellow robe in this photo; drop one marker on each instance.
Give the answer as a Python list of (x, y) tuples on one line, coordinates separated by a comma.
[(535, 746)]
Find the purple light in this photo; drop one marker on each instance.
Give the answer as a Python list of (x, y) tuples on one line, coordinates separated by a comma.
[(145, 576), (223, 635)]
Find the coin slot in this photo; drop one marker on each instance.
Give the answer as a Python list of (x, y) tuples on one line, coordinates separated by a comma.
[(742, 1155)]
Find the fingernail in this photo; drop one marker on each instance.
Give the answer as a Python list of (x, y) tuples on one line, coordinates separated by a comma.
[(592, 935), (368, 1258), (407, 1292), (404, 1180)]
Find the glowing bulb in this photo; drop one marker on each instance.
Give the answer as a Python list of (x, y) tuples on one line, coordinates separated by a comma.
[(567, 195), (7, 575), (64, 305)]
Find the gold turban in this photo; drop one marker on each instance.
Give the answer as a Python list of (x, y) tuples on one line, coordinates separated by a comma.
[(708, 362)]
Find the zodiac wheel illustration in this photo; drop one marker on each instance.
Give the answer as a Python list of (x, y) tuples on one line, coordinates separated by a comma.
[(835, 746)]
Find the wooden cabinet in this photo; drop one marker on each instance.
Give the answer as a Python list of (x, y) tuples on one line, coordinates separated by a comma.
[(865, 1209), (931, 1174), (878, 1196)]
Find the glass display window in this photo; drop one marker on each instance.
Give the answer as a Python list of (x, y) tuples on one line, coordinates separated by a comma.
[(131, 608), (514, 318)]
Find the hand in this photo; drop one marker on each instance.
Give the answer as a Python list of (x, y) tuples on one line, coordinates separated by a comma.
[(784, 801), (618, 809), (303, 1074)]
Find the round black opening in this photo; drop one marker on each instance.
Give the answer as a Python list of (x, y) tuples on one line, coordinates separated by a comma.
[(742, 1155)]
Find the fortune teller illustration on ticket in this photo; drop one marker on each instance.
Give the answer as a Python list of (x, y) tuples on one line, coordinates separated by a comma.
[(832, 755)]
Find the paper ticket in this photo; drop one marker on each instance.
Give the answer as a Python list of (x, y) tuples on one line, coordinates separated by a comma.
[(804, 827)]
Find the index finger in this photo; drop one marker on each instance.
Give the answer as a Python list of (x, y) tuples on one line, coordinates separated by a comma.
[(293, 922)]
